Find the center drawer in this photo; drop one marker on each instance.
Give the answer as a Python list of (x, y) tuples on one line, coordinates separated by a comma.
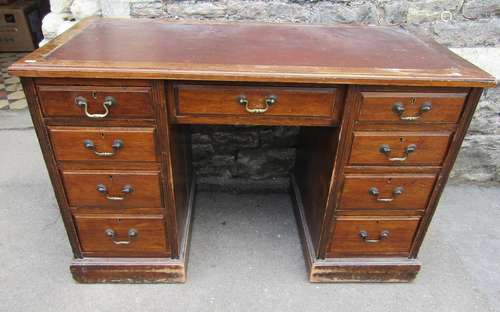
[(203, 102), (107, 144), (113, 189)]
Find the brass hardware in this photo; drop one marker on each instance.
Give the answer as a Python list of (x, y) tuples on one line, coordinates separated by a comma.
[(126, 189), (399, 109), (269, 100), (364, 236), (375, 192), (108, 102), (117, 144), (272, 99), (386, 149), (132, 234)]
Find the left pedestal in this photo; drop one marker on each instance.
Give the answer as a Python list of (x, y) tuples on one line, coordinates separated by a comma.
[(121, 176)]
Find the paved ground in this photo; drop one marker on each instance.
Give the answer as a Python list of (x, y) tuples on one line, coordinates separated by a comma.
[(245, 253)]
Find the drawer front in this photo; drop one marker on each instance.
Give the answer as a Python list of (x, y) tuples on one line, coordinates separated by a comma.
[(105, 144), (411, 107), (124, 234), (357, 237), (386, 191), (254, 101), (118, 189), (95, 102), (399, 148)]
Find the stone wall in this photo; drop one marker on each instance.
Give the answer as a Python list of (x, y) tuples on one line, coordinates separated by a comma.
[(470, 27)]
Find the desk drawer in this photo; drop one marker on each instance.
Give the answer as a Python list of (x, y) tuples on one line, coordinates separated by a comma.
[(386, 191), (253, 101), (399, 148), (363, 236), (105, 144), (95, 102), (115, 235), (113, 189), (411, 107)]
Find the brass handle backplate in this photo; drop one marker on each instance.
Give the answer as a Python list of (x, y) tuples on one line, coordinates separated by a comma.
[(116, 145), (386, 150), (373, 191), (126, 190), (132, 234), (399, 109), (382, 236), (269, 100), (109, 101)]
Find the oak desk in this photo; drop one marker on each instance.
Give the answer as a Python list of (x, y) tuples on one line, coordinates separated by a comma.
[(383, 115)]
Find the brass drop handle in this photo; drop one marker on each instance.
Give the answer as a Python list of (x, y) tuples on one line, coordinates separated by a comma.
[(109, 101), (268, 101), (132, 234), (373, 191), (386, 149), (116, 145), (399, 109), (364, 236), (126, 190)]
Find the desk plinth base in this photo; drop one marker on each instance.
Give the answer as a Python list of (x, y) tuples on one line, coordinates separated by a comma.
[(392, 270), (363, 270), (128, 270)]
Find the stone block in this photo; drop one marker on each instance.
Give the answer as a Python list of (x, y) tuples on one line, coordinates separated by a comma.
[(151, 9), (265, 163), (196, 9), (486, 119), (478, 159), (279, 136), (463, 33), (202, 151), (473, 9), (200, 138), (395, 12), (216, 166), (231, 141), (432, 10), (327, 13)]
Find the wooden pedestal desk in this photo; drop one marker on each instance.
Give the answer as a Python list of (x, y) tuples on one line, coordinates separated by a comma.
[(382, 114)]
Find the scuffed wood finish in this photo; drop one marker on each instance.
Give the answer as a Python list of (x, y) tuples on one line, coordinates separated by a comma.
[(350, 99), (220, 104), (138, 143), (431, 147), (128, 270), (150, 239), (82, 189), (365, 270), (347, 241), (416, 190), (313, 171), (379, 106), (129, 101), (124, 48), (347, 269)]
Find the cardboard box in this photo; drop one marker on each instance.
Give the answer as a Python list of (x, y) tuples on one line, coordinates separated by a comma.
[(20, 27)]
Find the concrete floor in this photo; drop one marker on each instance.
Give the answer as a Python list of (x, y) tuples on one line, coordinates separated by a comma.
[(245, 253)]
